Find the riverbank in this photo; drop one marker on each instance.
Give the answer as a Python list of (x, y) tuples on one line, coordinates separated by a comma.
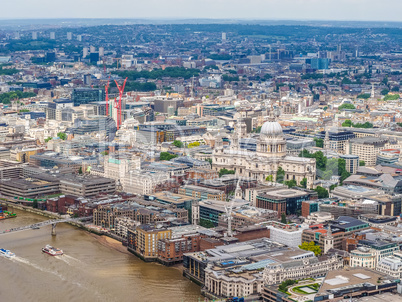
[(110, 242), (88, 271), (12, 205)]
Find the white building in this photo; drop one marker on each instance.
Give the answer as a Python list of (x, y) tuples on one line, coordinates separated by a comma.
[(85, 52), (318, 218), (300, 269), (391, 266), (142, 182), (363, 257), (287, 234)]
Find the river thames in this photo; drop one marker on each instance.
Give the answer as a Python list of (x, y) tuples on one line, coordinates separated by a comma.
[(88, 270)]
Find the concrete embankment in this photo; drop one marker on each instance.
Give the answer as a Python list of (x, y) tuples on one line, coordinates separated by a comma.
[(12, 205)]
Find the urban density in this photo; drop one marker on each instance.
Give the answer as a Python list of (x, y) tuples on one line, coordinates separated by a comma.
[(252, 161)]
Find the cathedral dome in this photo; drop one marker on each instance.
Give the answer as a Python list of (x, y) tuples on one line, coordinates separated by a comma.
[(271, 128)]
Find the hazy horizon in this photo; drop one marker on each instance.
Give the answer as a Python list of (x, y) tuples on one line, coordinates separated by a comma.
[(297, 10)]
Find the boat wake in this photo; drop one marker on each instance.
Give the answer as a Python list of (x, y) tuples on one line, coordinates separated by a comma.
[(62, 258), (42, 269), (69, 260), (73, 259), (27, 262)]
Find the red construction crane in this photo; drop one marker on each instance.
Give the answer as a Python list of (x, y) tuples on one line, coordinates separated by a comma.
[(118, 105), (107, 97)]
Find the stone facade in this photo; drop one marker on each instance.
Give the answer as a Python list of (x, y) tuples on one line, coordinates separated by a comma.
[(270, 154), (300, 269)]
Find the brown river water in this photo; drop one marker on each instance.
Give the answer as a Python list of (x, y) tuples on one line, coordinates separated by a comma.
[(90, 270)]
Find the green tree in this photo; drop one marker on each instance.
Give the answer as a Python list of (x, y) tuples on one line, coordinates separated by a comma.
[(283, 287), (364, 96), (209, 160), (172, 72), (62, 136), (166, 156), (320, 159), (280, 175), (48, 139), (7, 97), (291, 183), (364, 125), (391, 97), (35, 204), (384, 91), (322, 192), (346, 106), (178, 144), (269, 178), (362, 163), (303, 183), (283, 218), (319, 142), (347, 123), (311, 246), (257, 130), (80, 170), (104, 153), (225, 171), (206, 223)]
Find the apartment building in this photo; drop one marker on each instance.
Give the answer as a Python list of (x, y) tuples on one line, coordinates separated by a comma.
[(143, 240)]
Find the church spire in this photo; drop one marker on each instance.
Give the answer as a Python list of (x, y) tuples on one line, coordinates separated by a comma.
[(238, 191)]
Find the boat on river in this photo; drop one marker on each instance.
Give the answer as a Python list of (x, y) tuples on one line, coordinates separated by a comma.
[(6, 253), (52, 251)]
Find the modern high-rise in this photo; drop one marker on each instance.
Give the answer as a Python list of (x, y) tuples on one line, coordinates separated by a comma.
[(85, 52), (69, 35), (94, 57), (87, 95)]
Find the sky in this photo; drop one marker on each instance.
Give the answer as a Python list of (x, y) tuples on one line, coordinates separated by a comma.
[(345, 10)]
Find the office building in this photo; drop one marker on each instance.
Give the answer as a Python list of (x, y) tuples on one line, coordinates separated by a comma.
[(352, 162), (287, 201), (287, 234), (202, 193), (87, 95), (86, 186), (94, 57)]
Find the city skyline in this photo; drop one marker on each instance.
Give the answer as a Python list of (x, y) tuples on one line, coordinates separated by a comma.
[(343, 10)]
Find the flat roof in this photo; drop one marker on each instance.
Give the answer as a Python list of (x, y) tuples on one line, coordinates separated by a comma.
[(352, 276)]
